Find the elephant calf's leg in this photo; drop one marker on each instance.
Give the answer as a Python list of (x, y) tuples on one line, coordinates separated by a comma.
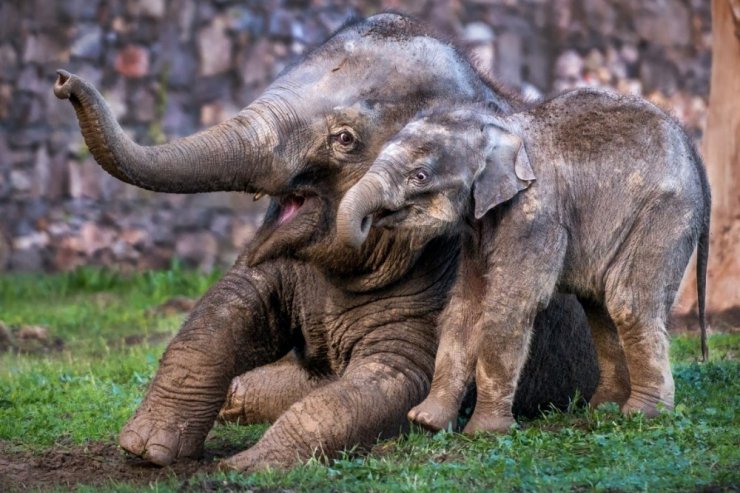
[(453, 368), (232, 329), (263, 394), (614, 379), (368, 402)]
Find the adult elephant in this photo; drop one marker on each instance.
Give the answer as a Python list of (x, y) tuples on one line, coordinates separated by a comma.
[(362, 321)]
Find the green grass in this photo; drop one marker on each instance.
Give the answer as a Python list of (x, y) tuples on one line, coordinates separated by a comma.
[(88, 390)]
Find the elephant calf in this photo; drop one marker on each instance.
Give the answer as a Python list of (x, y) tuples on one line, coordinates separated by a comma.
[(592, 193)]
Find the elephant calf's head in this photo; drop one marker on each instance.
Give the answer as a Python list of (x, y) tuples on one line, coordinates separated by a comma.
[(441, 167)]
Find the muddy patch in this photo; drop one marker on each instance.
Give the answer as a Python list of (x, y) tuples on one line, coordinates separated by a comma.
[(96, 463), (28, 339)]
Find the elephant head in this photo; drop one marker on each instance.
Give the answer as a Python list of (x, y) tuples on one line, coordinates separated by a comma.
[(311, 135), (445, 165)]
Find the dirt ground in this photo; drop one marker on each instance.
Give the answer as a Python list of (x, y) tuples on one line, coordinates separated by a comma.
[(94, 464)]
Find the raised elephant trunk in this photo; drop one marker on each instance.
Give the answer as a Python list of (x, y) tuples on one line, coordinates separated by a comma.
[(354, 217), (225, 157)]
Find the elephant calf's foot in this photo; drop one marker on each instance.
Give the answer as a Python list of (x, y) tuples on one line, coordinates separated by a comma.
[(434, 415), (489, 423), (160, 437)]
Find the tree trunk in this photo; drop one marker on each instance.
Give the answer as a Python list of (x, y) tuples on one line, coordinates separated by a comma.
[(721, 149)]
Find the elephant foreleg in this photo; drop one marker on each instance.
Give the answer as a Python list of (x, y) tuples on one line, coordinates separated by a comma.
[(368, 402), (263, 394), (233, 328), (456, 355)]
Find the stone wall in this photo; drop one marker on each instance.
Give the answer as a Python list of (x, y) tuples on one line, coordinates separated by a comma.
[(171, 67)]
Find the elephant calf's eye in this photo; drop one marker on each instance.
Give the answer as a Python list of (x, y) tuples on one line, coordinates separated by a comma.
[(421, 176)]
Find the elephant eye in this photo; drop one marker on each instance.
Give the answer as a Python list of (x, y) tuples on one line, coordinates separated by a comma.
[(345, 138), (421, 176)]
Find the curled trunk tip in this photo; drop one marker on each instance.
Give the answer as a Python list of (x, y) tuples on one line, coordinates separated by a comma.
[(63, 84)]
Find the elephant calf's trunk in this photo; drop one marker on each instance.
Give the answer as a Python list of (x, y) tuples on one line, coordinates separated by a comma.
[(354, 217)]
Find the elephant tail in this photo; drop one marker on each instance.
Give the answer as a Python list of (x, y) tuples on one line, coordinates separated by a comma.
[(702, 252)]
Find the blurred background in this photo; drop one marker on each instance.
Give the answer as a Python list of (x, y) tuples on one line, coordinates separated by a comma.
[(171, 67)]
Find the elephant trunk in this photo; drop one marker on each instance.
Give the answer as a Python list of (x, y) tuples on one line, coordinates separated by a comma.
[(354, 217), (225, 157)]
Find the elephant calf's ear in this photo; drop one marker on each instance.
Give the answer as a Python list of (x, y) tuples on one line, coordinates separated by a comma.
[(505, 173)]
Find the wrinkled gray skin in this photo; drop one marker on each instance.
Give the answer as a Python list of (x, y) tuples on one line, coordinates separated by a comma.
[(360, 321), (591, 193)]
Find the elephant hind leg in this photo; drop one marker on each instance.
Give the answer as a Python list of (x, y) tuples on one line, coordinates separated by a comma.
[(640, 289), (366, 403), (263, 394), (614, 380)]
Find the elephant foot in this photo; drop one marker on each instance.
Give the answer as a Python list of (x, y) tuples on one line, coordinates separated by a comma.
[(233, 409), (433, 415), (647, 403), (489, 423), (159, 436), (255, 459)]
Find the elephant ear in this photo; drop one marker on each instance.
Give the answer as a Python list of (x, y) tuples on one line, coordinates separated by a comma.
[(505, 173)]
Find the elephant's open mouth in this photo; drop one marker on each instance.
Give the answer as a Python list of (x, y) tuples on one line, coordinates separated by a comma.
[(290, 206)]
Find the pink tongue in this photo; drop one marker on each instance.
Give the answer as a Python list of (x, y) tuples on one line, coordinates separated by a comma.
[(289, 210)]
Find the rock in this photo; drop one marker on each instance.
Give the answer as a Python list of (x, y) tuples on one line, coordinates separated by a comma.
[(509, 58), (280, 25), (36, 339), (478, 32), (89, 43), (42, 49), (664, 22), (135, 237), (145, 105), (132, 61), (241, 232), (197, 250), (244, 19), (174, 306), (255, 63), (594, 60), (37, 239), (182, 67), (116, 99), (148, 8), (211, 114), (26, 261), (569, 65), (8, 60), (20, 181), (36, 332), (214, 48), (185, 18), (176, 121), (6, 338), (83, 179), (94, 237), (6, 90), (4, 254)]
